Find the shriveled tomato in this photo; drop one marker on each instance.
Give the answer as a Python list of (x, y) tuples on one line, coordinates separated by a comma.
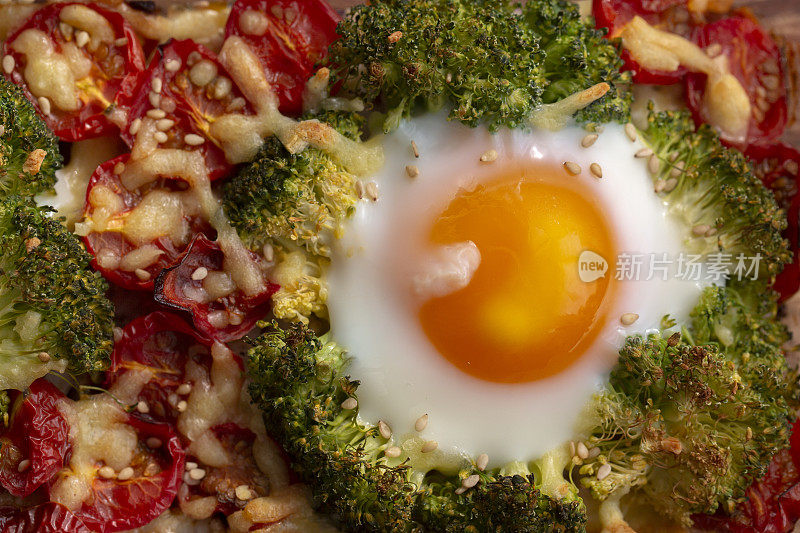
[(190, 88), (755, 60), (48, 517), (78, 60), (778, 166), (116, 504), (198, 284), (289, 37), (160, 343), (34, 446), (121, 220), (222, 482)]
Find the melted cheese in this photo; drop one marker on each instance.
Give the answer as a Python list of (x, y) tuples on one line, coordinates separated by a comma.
[(12, 16), (90, 21), (140, 258), (555, 116), (47, 72), (205, 26), (159, 214)]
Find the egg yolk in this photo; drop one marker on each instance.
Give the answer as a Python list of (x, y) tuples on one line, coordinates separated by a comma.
[(525, 314)]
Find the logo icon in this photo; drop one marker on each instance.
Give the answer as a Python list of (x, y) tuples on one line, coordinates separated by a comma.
[(591, 266)]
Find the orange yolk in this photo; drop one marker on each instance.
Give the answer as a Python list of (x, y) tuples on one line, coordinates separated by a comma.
[(526, 314)]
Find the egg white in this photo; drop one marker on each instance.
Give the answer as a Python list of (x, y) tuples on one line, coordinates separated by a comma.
[(402, 376)]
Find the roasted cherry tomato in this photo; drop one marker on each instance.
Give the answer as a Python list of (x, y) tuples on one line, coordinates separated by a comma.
[(221, 482), (119, 505), (290, 37), (48, 517), (778, 166), (118, 217), (75, 62), (34, 446), (190, 88), (199, 285), (160, 343), (755, 60)]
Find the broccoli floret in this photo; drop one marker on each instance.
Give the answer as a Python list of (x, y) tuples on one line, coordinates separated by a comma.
[(29, 154), (294, 206), (688, 420), (300, 383), (713, 191), (491, 61), (54, 311)]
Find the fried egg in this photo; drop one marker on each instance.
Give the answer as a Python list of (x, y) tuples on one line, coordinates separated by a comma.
[(480, 287)]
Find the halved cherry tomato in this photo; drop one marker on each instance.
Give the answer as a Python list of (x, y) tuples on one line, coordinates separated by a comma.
[(755, 60), (39, 435), (118, 505), (48, 517), (778, 166), (221, 482), (220, 315), (102, 72), (110, 244), (160, 343), (186, 81), (289, 37)]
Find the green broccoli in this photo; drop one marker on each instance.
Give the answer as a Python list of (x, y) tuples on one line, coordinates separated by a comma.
[(55, 314), (713, 191), (491, 61), (29, 154), (294, 206), (299, 382), (690, 420)]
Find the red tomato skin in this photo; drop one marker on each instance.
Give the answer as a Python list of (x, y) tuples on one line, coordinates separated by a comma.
[(41, 432), (206, 253), (49, 517), (289, 50), (748, 47), (122, 505), (83, 125)]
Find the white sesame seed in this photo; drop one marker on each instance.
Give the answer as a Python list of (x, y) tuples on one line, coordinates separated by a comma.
[(630, 131), (700, 230), (153, 443), (713, 50), (572, 168), (571, 448), (81, 38), (628, 318), (243, 493), (589, 140), (460, 490), (653, 164), (659, 185), (182, 406), (156, 113), (66, 30), (236, 104), (268, 252), (594, 452), (173, 65), (125, 474), (200, 273), (412, 171), (155, 99), (372, 191), (350, 404), (489, 156), (603, 471), (203, 73), (197, 474), (673, 156), (748, 434), (421, 423), (106, 472), (157, 84), (122, 41), (392, 452), (644, 152), (135, 125), (190, 465), (582, 450), (482, 462), (414, 149), (8, 64), (44, 105), (471, 481), (142, 407), (360, 189), (164, 124), (711, 232), (384, 429), (429, 446), (119, 168), (670, 185), (23, 465), (193, 140), (173, 399), (160, 137), (222, 87), (44, 357), (596, 170)]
